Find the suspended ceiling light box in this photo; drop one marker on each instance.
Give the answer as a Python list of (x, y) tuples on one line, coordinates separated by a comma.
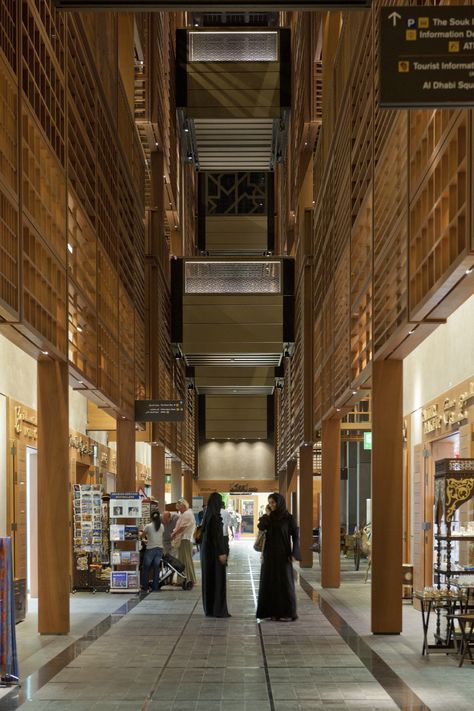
[(214, 4), (235, 46), (233, 277)]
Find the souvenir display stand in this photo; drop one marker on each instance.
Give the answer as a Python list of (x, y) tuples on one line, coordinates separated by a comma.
[(454, 539), (125, 513), (91, 569), (9, 673)]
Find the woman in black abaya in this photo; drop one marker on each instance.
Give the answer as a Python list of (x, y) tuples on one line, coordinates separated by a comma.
[(213, 560), (276, 594)]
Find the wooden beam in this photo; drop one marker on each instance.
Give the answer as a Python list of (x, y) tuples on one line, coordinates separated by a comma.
[(126, 478), (387, 496), (330, 504), (305, 505), (54, 501), (188, 486)]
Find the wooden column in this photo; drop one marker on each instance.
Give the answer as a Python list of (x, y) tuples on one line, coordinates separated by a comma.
[(305, 499), (126, 458), (282, 482), (305, 505), (158, 474), (330, 504), (291, 480), (176, 483), (188, 486), (387, 496), (54, 498)]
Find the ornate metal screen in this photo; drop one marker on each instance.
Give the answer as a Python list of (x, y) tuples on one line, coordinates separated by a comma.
[(236, 46), (232, 277)]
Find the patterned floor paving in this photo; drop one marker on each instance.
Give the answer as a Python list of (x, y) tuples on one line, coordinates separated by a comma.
[(165, 655)]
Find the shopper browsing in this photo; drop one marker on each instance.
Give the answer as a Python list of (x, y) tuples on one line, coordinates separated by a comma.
[(153, 537), (182, 536)]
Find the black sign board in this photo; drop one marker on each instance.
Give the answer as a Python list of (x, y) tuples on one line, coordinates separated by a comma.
[(159, 410), (213, 5), (427, 56)]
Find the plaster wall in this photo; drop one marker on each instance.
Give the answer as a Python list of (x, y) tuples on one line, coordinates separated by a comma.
[(443, 360), (236, 460)]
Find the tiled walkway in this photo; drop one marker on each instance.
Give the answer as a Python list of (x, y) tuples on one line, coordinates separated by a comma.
[(164, 655)]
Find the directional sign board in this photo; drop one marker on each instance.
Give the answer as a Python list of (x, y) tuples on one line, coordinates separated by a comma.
[(213, 5), (427, 56), (159, 410)]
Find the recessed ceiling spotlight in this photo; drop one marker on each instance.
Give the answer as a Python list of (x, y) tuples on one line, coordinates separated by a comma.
[(468, 271), (70, 248), (45, 352), (338, 409), (410, 332), (354, 392), (79, 328), (81, 382)]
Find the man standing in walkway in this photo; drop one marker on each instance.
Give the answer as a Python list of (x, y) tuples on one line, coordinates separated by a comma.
[(182, 537)]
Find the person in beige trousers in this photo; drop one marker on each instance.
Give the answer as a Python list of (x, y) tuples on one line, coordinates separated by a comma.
[(182, 538)]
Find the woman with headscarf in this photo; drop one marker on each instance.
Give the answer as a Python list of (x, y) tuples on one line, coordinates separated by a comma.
[(214, 560), (276, 594)]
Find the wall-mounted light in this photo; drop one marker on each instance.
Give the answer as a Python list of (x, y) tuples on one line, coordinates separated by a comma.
[(70, 248), (79, 328)]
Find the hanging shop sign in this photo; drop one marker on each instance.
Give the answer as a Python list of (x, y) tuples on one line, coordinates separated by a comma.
[(426, 56), (159, 410), (367, 440)]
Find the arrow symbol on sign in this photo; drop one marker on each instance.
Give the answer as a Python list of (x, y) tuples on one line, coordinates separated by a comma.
[(394, 16)]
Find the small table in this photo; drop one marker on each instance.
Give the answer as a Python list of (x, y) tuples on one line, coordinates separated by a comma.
[(430, 601)]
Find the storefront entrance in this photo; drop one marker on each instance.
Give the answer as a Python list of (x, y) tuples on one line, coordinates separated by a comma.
[(250, 507)]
